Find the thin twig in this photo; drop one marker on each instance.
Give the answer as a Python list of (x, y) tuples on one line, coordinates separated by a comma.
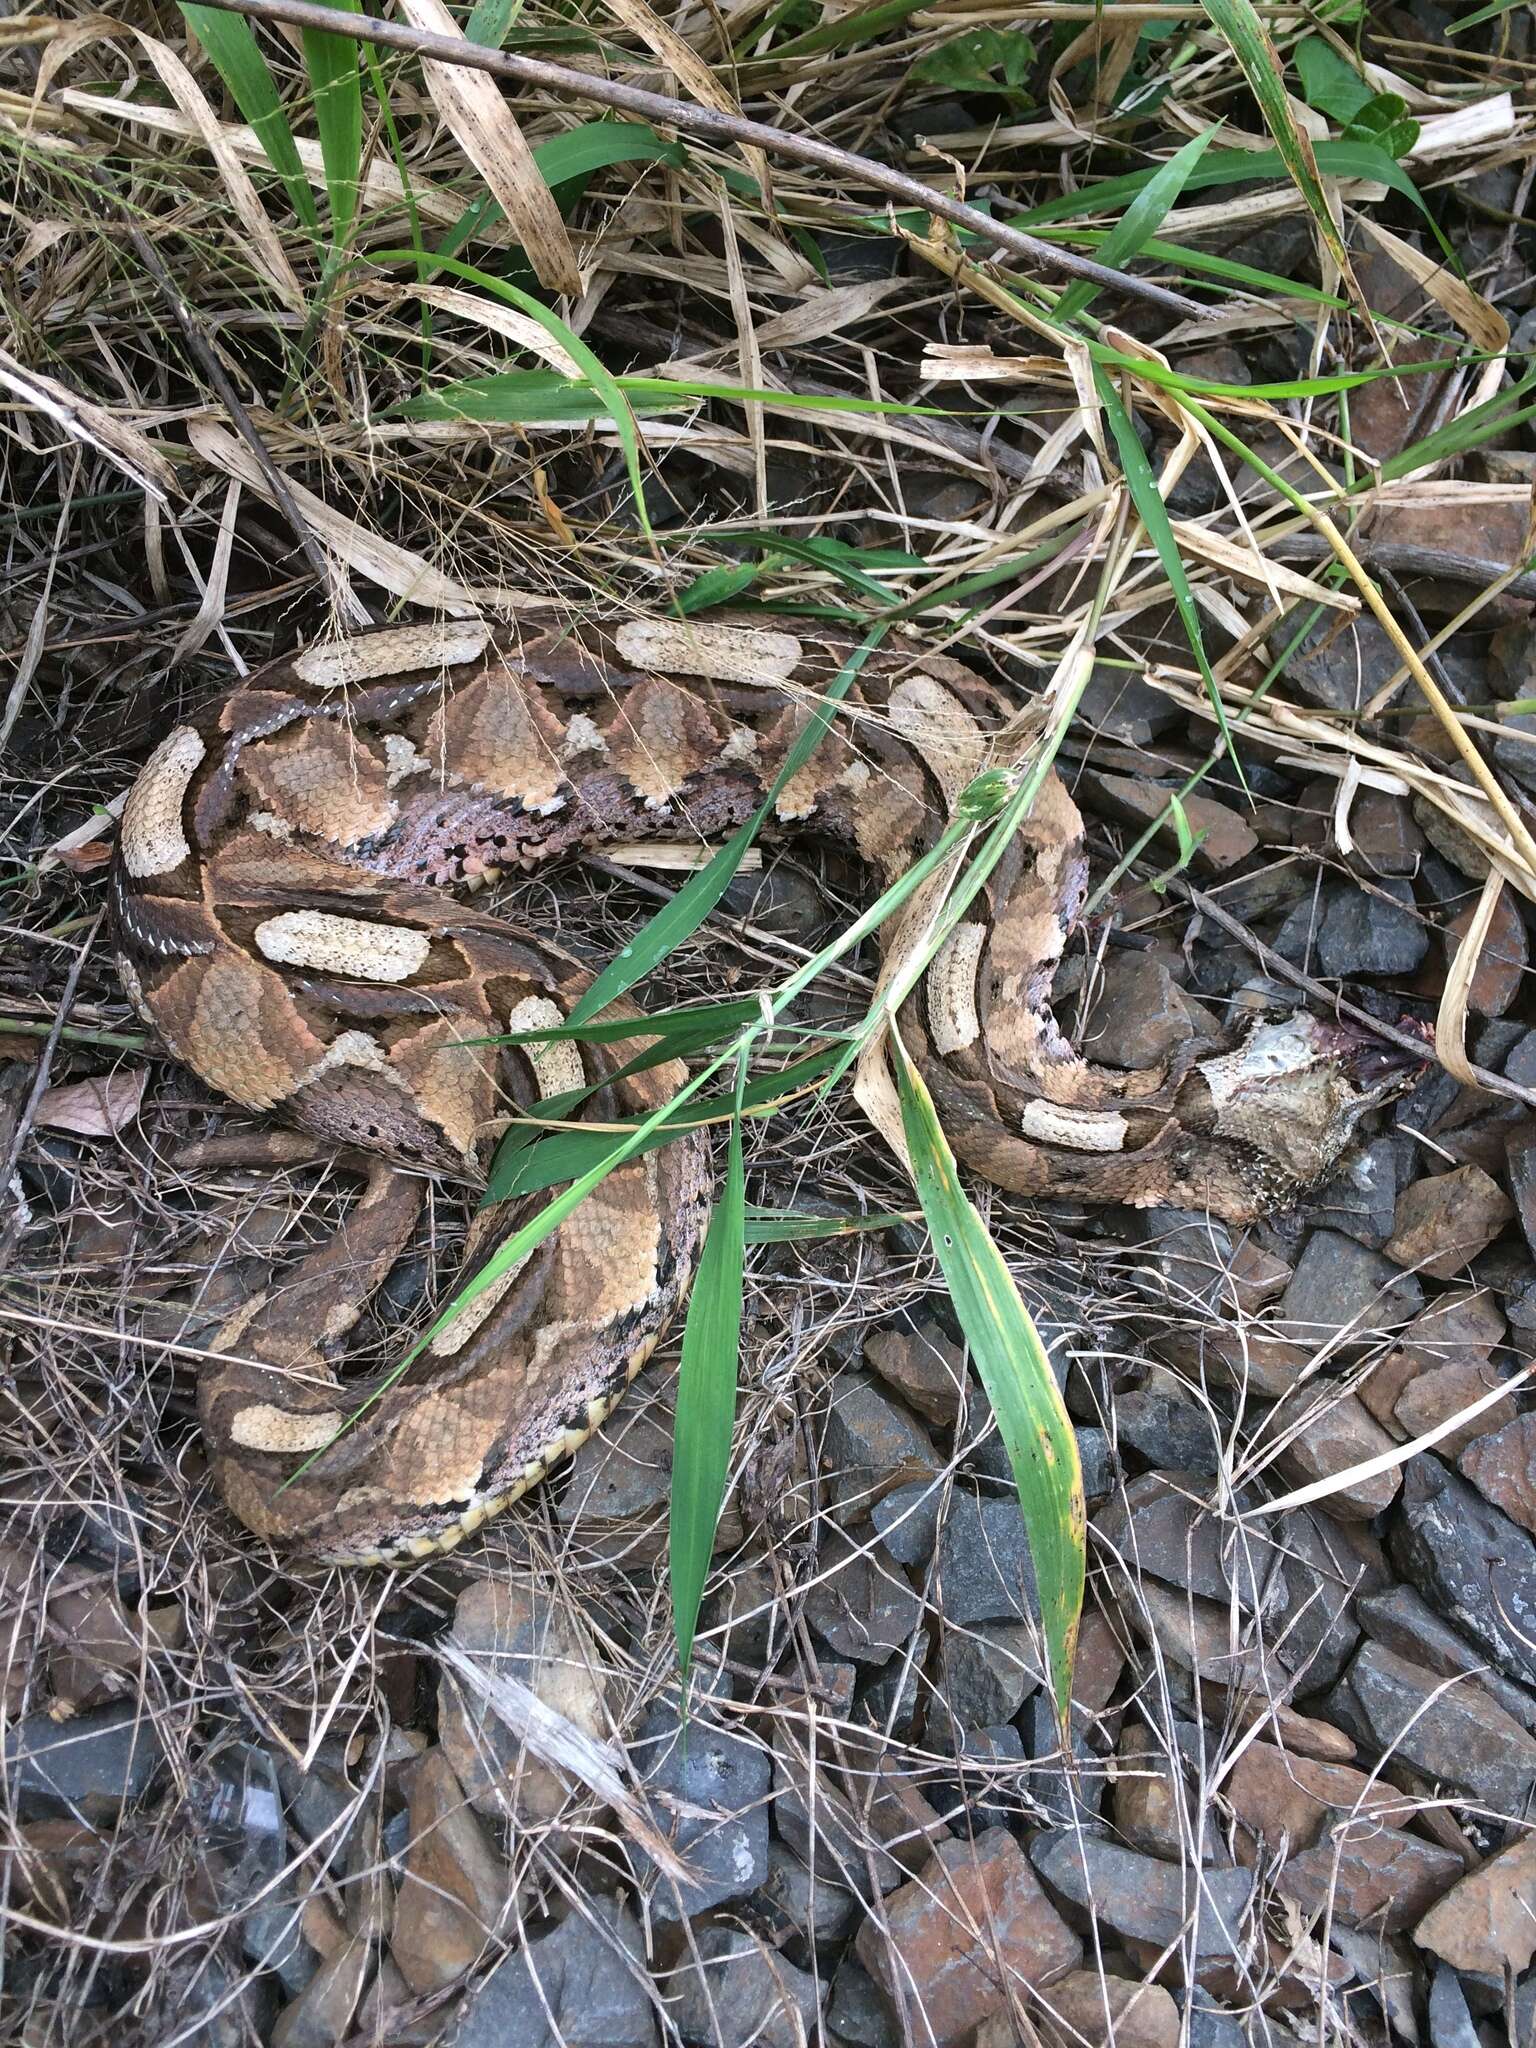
[(709, 125), (1273, 963), (208, 361)]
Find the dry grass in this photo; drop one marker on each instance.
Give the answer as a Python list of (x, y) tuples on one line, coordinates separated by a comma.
[(119, 606)]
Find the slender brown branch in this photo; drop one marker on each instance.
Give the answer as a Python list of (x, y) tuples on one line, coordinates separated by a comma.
[(708, 125), (206, 356)]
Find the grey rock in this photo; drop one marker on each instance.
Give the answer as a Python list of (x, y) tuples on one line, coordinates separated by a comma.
[(990, 1670), (1071, 1797), (1157, 1523), (1186, 1257), (1211, 2026), (705, 1766), (91, 1765), (1095, 1455), (807, 1914), (270, 1938), (1118, 704), (1139, 1014), (1402, 1621), (823, 1830), (1454, 1735), (1520, 1061), (1325, 1567), (1471, 1562), (1372, 931), (782, 900), (1339, 663), (985, 1571), (861, 1605), (1517, 755), (583, 1986), (857, 2014), (1143, 1899), (1450, 2023), (907, 1520), (1340, 1284), (1173, 1435), (1361, 1199), (737, 1990), (890, 1701), (869, 1438)]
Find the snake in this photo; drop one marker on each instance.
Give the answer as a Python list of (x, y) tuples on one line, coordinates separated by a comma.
[(290, 896)]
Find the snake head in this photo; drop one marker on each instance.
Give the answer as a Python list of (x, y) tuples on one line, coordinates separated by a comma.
[(1291, 1097)]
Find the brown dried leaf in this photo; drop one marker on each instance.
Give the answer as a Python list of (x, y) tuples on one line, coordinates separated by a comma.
[(485, 128), (98, 1108)]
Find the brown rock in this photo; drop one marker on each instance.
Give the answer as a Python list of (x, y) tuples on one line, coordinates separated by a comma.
[(1383, 1881), (1489, 1919), (1444, 1221), (1099, 1663), (1434, 1397), (1502, 1466), (1139, 1015), (1502, 963), (1101, 2011), (899, 1817), (1467, 1322), (924, 1367), (322, 2013), (519, 1629), (1302, 1734), (455, 1886), (1385, 1384), (1386, 839), (1258, 1277), (1285, 1799), (1225, 836), (1325, 1432), (976, 1911), (1150, 1803)]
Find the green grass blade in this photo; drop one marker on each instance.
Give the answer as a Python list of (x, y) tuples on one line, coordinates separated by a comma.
[(563, 1155), (615, 403), (680, 918), (336, 85), (236, 56), (1249, 42), (706, 1396), (794, 1226), (1140, 221), (1015, 1371), (566, 162), (502, 396), (1345, 158), (1488, 13), (1153, 514)]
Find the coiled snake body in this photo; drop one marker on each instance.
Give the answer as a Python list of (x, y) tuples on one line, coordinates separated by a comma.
[(282, 920)]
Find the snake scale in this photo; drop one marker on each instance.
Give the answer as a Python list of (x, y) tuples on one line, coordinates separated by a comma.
[(284, 919)]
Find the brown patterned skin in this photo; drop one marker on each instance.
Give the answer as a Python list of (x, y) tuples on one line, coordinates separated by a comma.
[(281, 896)]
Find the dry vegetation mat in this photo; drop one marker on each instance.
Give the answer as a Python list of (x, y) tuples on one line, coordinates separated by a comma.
[(987, 1620)]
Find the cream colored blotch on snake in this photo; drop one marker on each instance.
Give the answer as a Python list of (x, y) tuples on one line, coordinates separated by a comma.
[(285, 915)]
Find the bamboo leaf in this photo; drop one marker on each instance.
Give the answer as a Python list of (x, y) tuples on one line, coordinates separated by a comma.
[(337, 87), (1249, 42), (614, 401), (1015, 1371), (1153, 514), (706, 1394), (236, 56), (1140, 221)]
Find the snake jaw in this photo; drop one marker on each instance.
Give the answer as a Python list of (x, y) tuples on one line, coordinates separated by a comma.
[(1290, 1099)]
